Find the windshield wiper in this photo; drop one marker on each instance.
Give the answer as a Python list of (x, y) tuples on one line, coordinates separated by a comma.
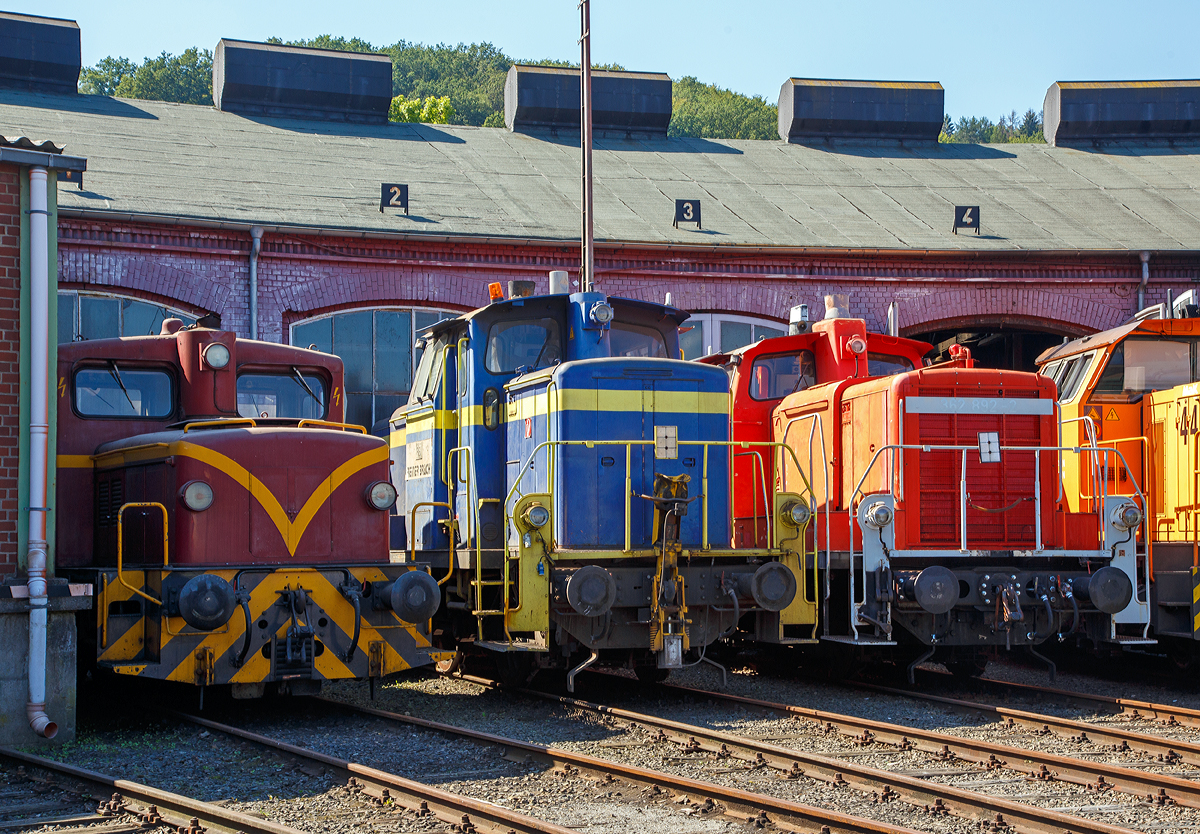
[(116, 374), (304, 385)]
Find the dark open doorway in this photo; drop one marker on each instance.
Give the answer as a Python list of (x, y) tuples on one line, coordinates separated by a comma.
[(994, 344)]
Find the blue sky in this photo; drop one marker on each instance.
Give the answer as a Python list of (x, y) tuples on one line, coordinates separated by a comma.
[(991, 58)]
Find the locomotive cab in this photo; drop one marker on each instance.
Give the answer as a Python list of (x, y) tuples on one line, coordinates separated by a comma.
[(236, 530), (1133, 392), (566, 477), (763, 373)]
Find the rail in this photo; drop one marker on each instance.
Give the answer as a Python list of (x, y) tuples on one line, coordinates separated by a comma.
[(121, 544), (852, 506)]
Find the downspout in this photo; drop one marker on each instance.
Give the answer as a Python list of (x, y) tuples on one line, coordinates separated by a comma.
[(1141, 305), (256, 233), (39, 439)]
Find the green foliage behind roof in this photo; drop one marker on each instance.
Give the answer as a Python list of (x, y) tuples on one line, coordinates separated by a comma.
[(467, 82)]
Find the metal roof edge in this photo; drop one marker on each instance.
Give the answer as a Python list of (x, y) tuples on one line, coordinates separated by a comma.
[(19, 156)]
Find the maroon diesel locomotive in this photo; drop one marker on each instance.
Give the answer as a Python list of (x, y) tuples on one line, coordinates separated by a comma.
[(235, 530)]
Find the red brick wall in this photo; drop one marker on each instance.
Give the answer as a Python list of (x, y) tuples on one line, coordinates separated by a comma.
[(300, 275), (10, 355)]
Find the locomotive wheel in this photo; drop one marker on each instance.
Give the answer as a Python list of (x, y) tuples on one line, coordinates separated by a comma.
[(449, 667), (651, 674)]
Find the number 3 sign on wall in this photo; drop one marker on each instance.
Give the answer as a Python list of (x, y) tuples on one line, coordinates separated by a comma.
[(393, 195), (687, 211)]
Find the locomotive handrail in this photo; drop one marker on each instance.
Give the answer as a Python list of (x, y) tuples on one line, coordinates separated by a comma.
[(412, 538), (817, 423), (851, 507), (527, 466), (1090, 428), (756, 468), (330, 424), (232, 421), (1147, 504), (121, 543)]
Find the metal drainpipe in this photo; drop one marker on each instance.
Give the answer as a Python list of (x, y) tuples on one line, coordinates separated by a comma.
[(1141, 305), (39, 441), (256, 233)]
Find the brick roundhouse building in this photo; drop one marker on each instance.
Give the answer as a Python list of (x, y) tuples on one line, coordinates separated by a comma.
[(268, 214)]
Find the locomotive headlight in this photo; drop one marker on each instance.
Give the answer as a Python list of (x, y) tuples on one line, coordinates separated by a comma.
[(537, 516), (601, 313), (878, 516), (857, 345), (796, 514), (216, 356), (197, 496), (381, 495), (1127, 516)]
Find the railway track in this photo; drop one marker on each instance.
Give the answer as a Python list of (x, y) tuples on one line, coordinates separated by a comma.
[(461, 813), (929, 797), (1167, 750), (758, 809), (1169, 714), (1154, 787), (41, 786)]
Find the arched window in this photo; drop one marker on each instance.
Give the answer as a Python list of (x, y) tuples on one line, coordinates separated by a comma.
[(705, 333), (86, 315), (377, 348)]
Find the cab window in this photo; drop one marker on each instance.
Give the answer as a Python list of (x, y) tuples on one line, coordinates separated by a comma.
[(294, 396), (118, 390), (523, 344), (429, 369), (774, 377), (1139, 365), (883, 364), (636, 340), (1070, 382)]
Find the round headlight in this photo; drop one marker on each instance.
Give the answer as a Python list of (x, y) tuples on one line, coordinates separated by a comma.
[(216, 355), (797, 514), (381, 495), (537, 516), (601, 313), (878, 516), (857, 345), (197, 496), (1127, 516)]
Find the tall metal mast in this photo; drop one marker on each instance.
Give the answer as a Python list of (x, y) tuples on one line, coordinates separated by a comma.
[(587, 267)]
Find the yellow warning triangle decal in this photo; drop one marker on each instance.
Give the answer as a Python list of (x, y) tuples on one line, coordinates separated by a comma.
[(1112, 415), (1093, 413)]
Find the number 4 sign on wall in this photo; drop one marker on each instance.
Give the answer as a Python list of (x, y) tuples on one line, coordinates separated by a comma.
[(687, 211), (393, 195)]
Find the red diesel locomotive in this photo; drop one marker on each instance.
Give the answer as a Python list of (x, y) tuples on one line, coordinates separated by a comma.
[(235, 531), (938, 512)]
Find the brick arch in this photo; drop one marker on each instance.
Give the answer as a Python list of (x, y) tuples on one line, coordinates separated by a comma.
[(1073, 310)]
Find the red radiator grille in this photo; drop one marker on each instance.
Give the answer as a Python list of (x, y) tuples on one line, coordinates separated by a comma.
[(1006, 487)]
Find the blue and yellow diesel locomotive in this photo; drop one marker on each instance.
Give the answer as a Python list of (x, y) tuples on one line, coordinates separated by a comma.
[(566, 479)]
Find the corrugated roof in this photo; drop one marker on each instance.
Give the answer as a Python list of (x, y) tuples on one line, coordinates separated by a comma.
[(183, 161)]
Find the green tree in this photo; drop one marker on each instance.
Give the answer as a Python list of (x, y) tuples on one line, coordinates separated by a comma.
[(708, 111), (103, 79), (430, 110), (184, 78), (980, 129)]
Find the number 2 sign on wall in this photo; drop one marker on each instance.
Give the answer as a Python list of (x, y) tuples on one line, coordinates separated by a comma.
[(393, 195)]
